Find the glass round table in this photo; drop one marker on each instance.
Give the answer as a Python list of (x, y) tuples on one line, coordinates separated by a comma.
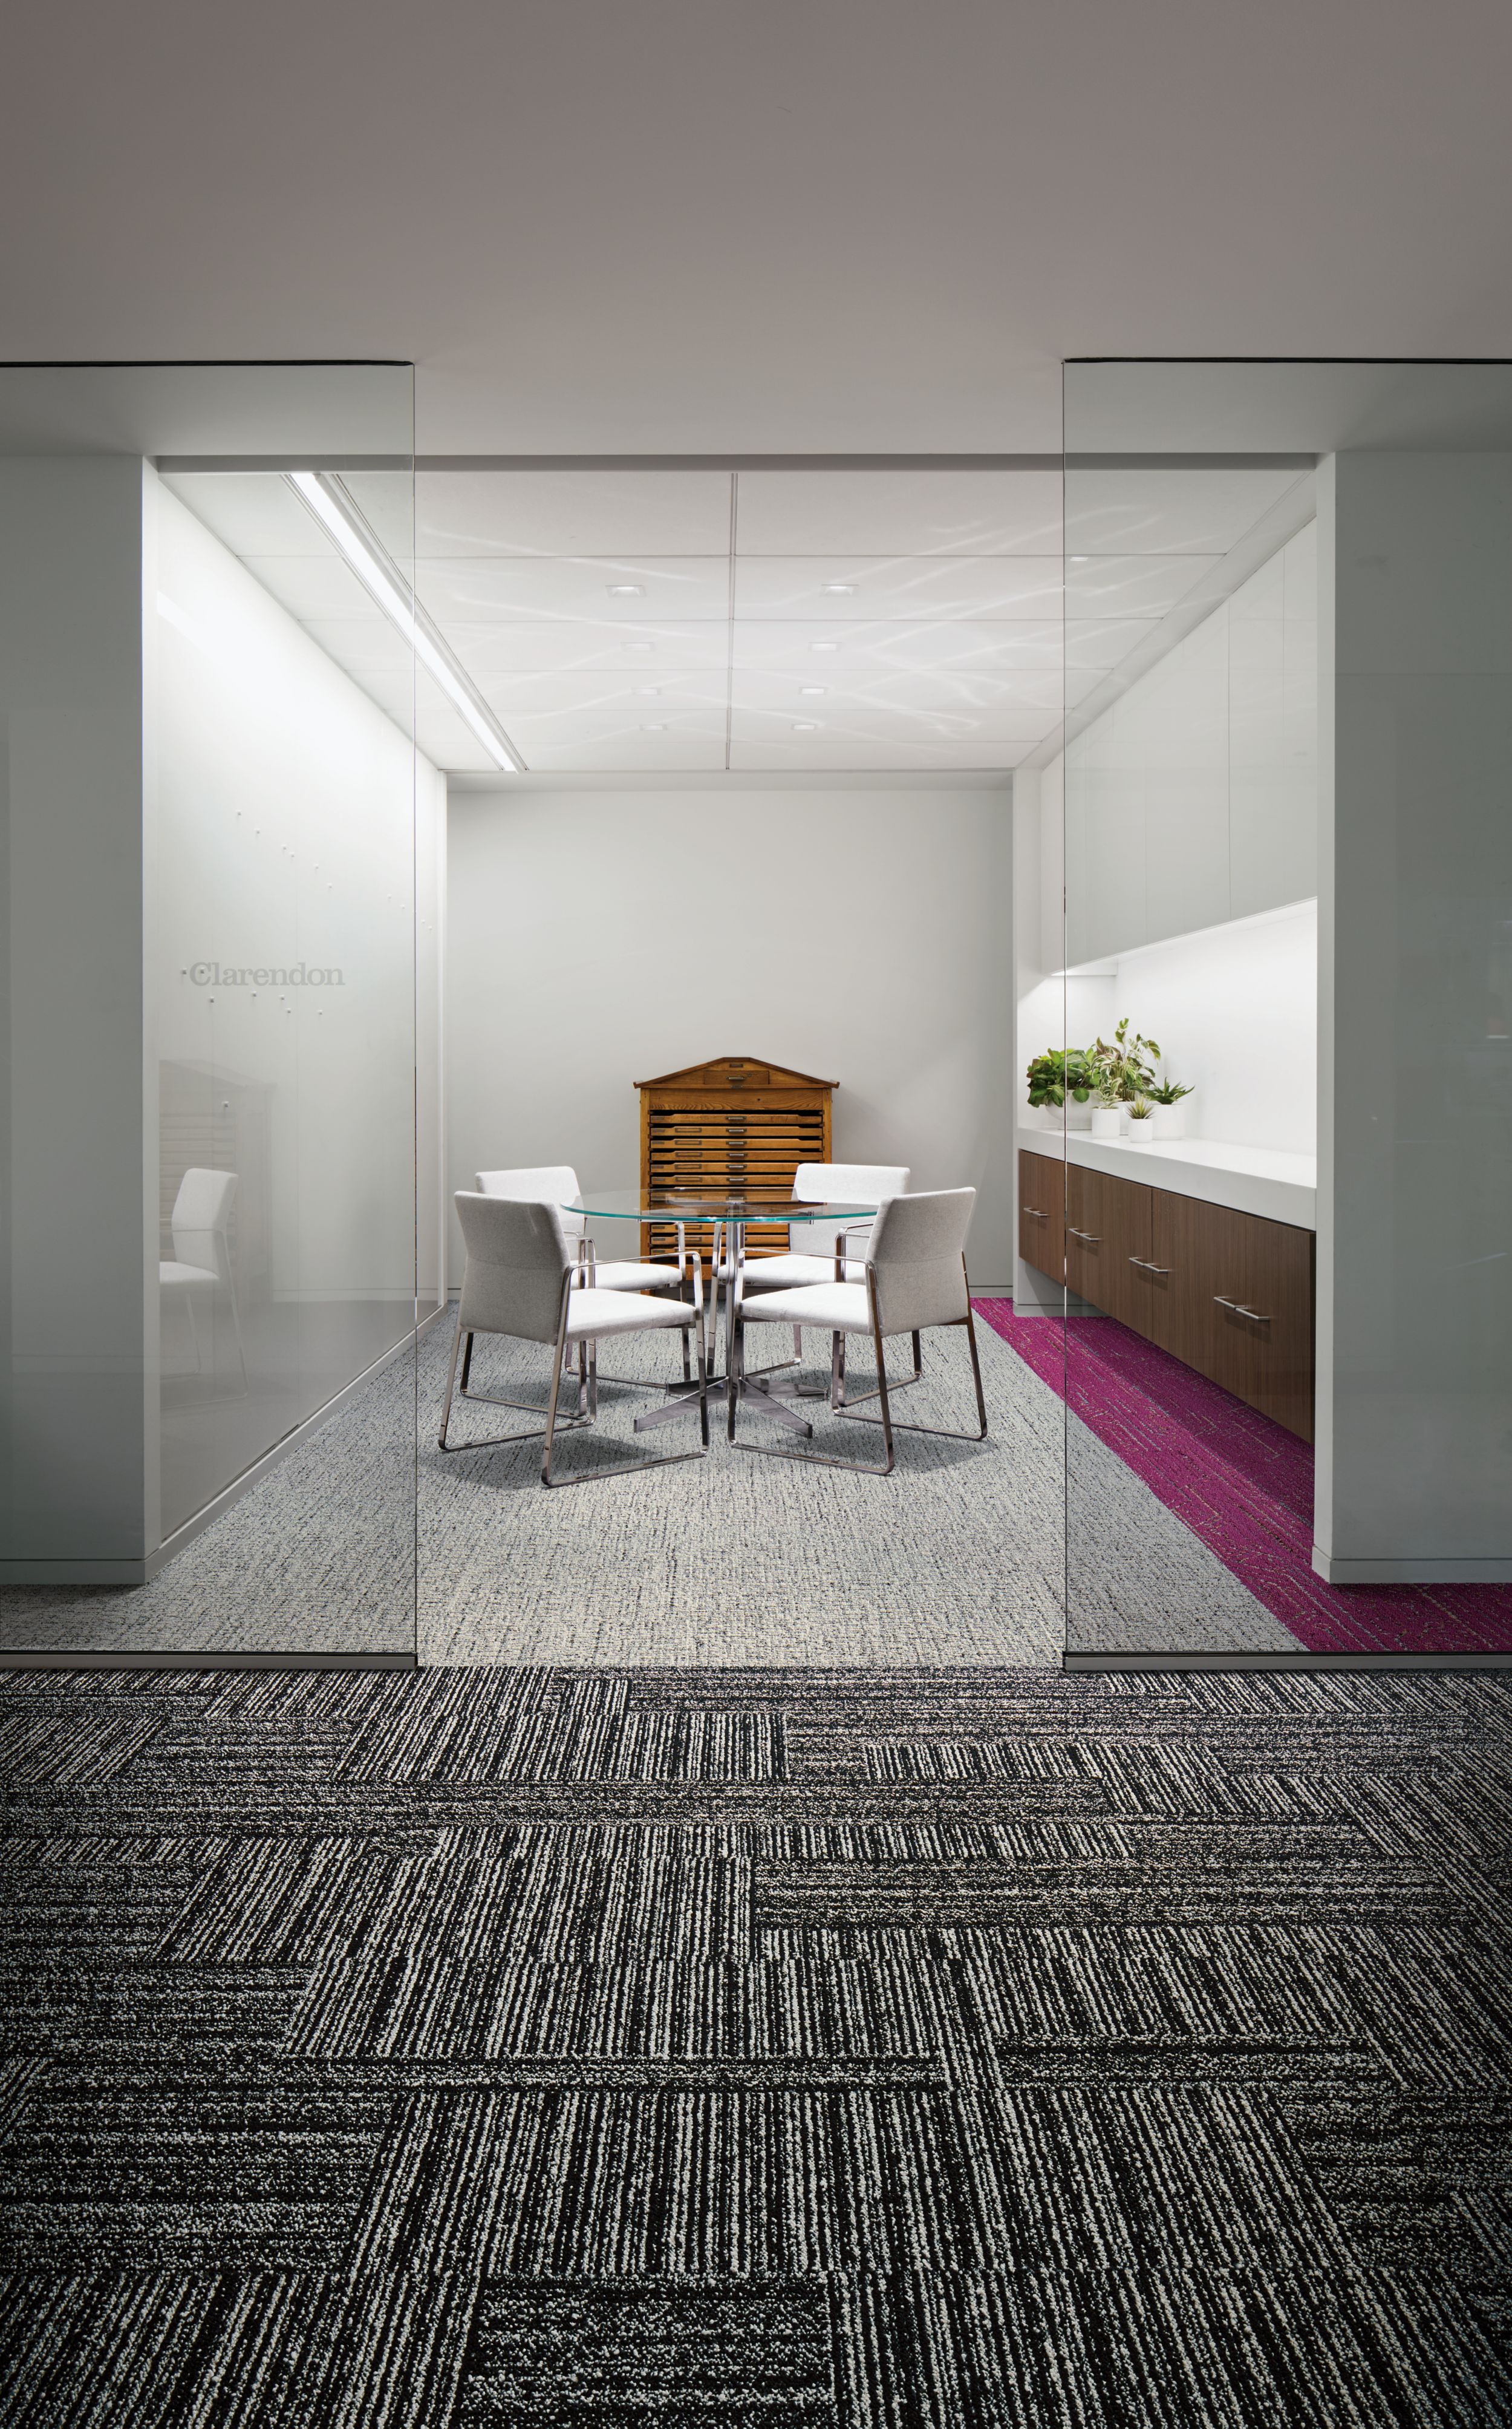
[(729, 1216)]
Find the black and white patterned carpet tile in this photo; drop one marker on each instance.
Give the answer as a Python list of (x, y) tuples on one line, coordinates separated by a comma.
[(983, 2050)]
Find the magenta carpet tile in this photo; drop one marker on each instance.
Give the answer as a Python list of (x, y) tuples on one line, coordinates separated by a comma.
[(1245, 1487)]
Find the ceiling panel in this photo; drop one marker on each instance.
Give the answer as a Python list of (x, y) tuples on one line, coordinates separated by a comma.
[(848, 590), (843, 754), (630, 590), (1131, 586), (499, 648), (1030, 700), (944, 643), (1103, 641), (1147, 512), (884, 619), (595, 698), (548, 514), (673, 753), (903, 514)]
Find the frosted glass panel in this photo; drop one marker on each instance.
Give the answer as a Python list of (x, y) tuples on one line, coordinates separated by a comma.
[(220, 843)]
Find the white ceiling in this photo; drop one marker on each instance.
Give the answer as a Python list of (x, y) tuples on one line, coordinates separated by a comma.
[(641, 621), (691, 227)]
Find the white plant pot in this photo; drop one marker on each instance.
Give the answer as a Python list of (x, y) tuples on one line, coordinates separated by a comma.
[(1141, 1134), (1168, 1121), (1078, 1118), (1107, 1122)]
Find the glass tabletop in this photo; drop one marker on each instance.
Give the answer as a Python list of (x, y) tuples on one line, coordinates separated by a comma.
[(675, 1206)]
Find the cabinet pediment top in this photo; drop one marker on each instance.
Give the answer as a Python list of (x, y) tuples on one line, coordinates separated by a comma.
[(736, 1071)]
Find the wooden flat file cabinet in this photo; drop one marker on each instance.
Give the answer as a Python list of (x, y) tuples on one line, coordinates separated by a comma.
[(736, 1125), (1231, 1295)]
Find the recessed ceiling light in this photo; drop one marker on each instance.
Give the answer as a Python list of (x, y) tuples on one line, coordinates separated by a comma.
[(1080, 560), (809, 728), (654, 729), (649, 691), (824, 645), (637, 645), (811, 691), (838, 589), (627, 589)]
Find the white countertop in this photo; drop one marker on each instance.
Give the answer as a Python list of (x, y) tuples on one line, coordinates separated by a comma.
[(1255, 1180)]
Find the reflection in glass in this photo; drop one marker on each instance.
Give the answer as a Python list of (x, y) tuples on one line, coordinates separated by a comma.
[(1287, 1332), (225, 874)]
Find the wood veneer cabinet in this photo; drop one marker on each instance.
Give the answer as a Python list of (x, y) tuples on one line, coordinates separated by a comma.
[(738, 1125), (1231, 1295), (1041, 1214)]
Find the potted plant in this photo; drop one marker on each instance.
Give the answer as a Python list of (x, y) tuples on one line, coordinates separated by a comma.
[(1122, 1070), (1141, 1115), (1167, 1115), (1106, 1111), (1057, 1074)]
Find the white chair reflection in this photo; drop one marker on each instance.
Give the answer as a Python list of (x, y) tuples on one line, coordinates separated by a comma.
[(523, 1279), (200, 1267), (914, 1280)]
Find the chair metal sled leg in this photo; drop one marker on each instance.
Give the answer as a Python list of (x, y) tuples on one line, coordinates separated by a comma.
[(626, 1466), (945, 1434), (824, 1458), (915, 1281), (492, 1441)]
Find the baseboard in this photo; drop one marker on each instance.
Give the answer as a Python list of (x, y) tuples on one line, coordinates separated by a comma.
[(1298, 1661), (36, 1660), (1494, 1572)]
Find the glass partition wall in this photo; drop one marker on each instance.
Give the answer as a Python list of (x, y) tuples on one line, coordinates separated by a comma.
[(223, 884), (1282, 1179)]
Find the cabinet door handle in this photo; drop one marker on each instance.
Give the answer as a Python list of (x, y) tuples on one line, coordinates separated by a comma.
[(1233, 1308), (1093, 1239), (1035, 1213), (1145, 1267)]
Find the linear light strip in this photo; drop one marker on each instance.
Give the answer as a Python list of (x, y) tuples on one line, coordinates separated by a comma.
[(384, 586)]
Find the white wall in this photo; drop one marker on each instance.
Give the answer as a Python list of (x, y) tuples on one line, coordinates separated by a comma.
[(283, 833), (863, 934), (1234, 1010), (73, 1194), (291, 835), (1415, 1163), (1193, 798)]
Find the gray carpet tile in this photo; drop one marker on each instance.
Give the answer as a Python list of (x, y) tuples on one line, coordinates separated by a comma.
[(367, 1538), (784, 2044)]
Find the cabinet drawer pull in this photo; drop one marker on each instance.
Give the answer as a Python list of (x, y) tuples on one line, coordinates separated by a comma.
[(1093, 1239), (1036, 1214), (1145, 1267), (1233, 1308)]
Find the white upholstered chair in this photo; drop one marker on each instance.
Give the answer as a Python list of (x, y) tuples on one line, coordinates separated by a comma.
[(523, 1279), (914, 1279), (868, 1184), (200, 1267), (551, 1184)]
